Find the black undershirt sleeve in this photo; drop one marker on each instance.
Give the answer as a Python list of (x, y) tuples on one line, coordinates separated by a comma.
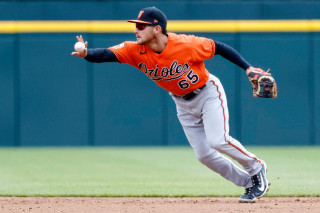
[(100, 55), (231, 54)]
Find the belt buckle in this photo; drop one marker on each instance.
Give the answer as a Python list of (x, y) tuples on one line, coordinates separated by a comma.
[(191, 95), (197, 91)]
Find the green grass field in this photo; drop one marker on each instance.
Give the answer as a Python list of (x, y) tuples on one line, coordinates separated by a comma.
[(146, 171)]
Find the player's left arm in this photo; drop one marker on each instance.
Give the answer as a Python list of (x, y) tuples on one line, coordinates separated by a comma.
[(262, 82), (232, 55)]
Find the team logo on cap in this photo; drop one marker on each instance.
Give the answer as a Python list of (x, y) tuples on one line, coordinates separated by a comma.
[(140, 14)]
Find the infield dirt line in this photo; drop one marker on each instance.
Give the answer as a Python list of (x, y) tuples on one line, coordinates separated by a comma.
[(161, 205)]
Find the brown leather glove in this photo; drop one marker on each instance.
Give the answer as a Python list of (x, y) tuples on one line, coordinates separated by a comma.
[(263, 86)]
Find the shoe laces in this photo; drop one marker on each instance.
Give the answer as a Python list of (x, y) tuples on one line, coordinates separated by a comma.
[(256, 180), (248, 191)]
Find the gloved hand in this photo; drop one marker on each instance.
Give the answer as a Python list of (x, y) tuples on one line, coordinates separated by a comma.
[(263, 84)]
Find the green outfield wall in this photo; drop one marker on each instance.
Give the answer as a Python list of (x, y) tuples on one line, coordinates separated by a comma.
[(51, 98)]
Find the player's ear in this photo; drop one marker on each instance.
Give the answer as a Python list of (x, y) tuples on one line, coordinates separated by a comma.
[(158, 29)]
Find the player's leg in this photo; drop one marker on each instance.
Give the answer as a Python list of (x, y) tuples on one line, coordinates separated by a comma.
[(194, 130), (216, 124)]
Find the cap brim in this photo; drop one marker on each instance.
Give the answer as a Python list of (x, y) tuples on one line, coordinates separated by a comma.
[(139, 21)]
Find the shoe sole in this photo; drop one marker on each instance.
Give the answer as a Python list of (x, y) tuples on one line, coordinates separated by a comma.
[(266, 182), (247, 201)]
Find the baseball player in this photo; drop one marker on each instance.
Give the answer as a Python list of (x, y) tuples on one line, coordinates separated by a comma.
[(175, 63)]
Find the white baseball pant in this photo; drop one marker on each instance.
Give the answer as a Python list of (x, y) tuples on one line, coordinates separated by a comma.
[(205, 121)]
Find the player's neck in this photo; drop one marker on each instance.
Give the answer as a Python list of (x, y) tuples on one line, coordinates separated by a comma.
[(158, 44)]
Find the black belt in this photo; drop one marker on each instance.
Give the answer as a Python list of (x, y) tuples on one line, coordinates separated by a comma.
[(192, 94)]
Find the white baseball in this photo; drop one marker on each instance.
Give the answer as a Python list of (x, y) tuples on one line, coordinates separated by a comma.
[(79, 46)]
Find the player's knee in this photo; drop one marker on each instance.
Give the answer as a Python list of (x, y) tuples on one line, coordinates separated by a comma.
[(205, 159), (217, 143)]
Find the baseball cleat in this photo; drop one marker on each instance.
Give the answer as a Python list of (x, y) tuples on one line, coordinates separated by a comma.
[(260, 182), (248, 196)]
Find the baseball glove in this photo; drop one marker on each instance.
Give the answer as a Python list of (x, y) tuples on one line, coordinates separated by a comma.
[(263, 84)]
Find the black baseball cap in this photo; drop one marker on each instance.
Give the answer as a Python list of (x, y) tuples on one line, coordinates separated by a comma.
[(152, 16)]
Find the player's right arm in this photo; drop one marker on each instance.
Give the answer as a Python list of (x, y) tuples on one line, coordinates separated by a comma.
[(95, 55), (100, 55)]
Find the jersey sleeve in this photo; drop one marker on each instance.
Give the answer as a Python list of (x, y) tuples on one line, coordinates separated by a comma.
[(202, 48), (125, 52)]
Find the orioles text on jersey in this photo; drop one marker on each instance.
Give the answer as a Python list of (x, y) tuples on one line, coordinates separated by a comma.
[(179, 68)]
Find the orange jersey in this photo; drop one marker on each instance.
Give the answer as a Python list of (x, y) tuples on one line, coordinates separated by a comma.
[(179, 68)]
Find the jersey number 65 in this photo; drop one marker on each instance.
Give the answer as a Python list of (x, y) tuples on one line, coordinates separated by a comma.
[(193, 78)]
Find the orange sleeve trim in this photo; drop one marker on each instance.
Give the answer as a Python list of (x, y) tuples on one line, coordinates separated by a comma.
[(213, 48), (117, 55)]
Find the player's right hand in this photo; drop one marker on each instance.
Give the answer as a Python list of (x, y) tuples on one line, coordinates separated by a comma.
[(84, 52)]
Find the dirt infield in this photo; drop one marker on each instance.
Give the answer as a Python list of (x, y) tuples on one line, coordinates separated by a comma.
[(166, 205)]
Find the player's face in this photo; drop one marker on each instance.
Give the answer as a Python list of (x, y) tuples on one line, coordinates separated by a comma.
[(144, 33)]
